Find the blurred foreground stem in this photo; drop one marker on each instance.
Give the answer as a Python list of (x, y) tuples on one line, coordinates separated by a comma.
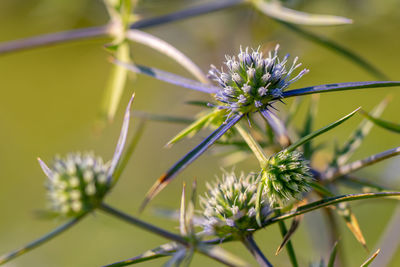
[(18, 252), (251, 245)]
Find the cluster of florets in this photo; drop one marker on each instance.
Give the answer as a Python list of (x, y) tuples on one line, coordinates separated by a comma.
[(229, 207), (77, 184), (287, 175), (252, 82)]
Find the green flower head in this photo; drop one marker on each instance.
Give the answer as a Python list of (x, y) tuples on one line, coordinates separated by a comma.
[(229, 207), (287, 175), (76, 184)]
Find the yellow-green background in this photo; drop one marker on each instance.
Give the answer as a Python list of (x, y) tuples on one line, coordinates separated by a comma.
[(50, 99)]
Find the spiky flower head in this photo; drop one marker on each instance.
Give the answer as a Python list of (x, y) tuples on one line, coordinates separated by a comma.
[(76, 184), (287, 175), (229, 207), (251, 82)]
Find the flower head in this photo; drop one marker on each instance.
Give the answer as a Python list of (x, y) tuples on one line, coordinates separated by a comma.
[(252, 82), (230, 205), (287, 176), (77, 184)]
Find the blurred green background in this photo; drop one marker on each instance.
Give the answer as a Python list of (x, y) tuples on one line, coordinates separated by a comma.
[(50, 101)]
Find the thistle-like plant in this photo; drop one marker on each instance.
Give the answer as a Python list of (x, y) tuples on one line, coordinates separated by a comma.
[(251, 82), (243, 91), (235, 206), (76, 184), (229, 206), (287, 176)]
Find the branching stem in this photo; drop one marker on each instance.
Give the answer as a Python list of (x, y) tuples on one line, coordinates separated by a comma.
[(141, 224)]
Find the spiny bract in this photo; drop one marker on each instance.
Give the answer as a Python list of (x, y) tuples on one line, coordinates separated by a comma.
[(230, 205), (287, 175), (252, 83), (77, 184)]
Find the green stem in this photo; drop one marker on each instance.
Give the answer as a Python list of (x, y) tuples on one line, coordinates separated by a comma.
[(141, 224), (253, 144), (55, 38), (289, 245), (251, 245), (18, 252)]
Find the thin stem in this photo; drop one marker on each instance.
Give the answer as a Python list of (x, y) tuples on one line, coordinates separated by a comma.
[(141, 224), (109, 29), (289, 245), (168, 50), (186, 13), (354, 166), (334, 235), (18, 252), (253, 144), (251, 245), (54, 38)]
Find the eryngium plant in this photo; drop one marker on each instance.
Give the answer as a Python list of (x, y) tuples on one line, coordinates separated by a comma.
[(287, 175), (77, 184), (229, 206), (252, 82)]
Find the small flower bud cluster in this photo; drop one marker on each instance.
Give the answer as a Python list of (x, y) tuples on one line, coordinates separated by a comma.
[(287, 176), (252, 82), (230, 205), (77, 184)]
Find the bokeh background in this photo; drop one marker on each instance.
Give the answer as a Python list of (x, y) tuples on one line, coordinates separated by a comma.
[(50, 100)]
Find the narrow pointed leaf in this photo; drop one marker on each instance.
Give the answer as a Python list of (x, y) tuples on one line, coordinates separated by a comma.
[(327, 202), (357, 137), (169, 77), (338, 87), (169, 50), (337, 48), (320, 131), (382, 123), (194, 127), (121, 141), (370, 259), (123, 162), (275, 10), (354, 166), (309, 124), (278, 127), (346, 213), (189, 158), (161, 251), (332, 256), (221, 255), (293, 227), (116, 83), (45, 169), (289, 246), (182, 214)]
